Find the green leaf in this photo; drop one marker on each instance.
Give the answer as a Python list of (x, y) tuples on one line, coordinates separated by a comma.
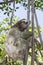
[(17, 7)]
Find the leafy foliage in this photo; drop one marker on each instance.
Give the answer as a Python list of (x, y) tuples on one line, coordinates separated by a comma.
[(3, 30), (6, 5)]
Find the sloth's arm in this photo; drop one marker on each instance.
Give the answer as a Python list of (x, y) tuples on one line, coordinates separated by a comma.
[(26, 35)]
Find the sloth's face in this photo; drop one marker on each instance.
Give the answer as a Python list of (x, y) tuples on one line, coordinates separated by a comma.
[(22, 25)]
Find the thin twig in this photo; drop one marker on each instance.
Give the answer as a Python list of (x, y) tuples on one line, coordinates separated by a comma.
[(28, 20), (38, 30), (32, 9), (12, 13)]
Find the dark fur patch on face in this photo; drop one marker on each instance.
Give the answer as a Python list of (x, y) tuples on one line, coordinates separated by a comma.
[(22, 25)]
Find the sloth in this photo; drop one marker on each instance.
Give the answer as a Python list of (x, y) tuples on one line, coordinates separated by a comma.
[(15, 42)]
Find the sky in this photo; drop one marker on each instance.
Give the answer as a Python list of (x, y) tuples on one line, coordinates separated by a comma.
[(21, 13)]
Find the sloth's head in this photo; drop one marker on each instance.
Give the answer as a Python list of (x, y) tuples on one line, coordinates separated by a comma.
[(22, 24)]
